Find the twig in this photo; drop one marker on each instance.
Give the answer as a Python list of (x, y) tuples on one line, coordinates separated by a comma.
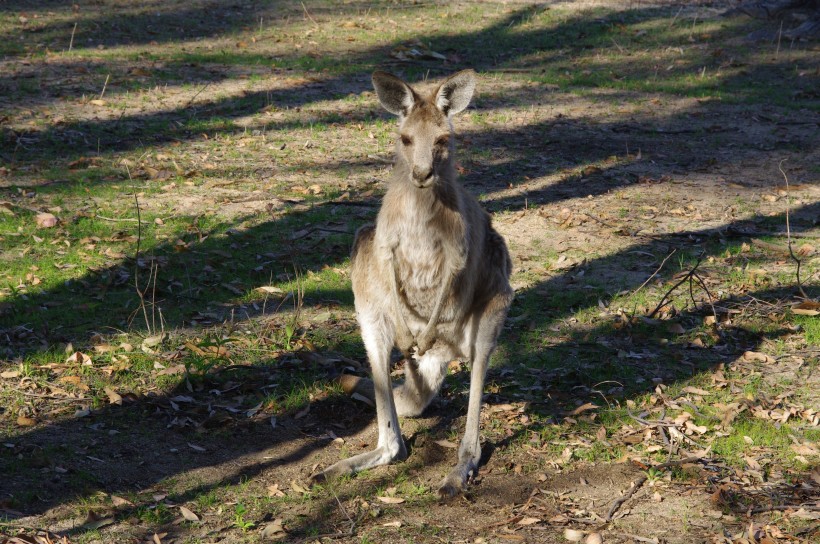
[(669, 292), (308, 13), (105, 85), (642, 479), (655, 273), (675, 18), (782, 507), (788, 230), (197, 94), (53, 397), (115, 219), (136, 260), (708, 294), (71, 42)]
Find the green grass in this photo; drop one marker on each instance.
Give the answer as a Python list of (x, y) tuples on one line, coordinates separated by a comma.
[(267, 104)]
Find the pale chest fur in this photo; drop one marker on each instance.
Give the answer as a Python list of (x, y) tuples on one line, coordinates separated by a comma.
[(426, 252)]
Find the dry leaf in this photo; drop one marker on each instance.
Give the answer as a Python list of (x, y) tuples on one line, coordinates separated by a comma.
[(392, 524), (391, 500), (187, 514), (113, 396), (298, 488), (676, 328), (274, 530), (528, 521), (573, 535), (274, 491), (24, 421), (119, 501), (594, 538), (98, 102), (79, 358), (46, 220), (446, 444), (695, 391), (757, 356), (799, 449), (8, 374), (583, 408)]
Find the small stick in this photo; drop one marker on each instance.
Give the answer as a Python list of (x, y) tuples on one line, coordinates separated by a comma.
[(779, 34), (655, 273), (71, 42), (642, 479), (669, 292), (788, 230), (105, 85), (783, 507), (197, 94), (308, 13), (129, 219), (675, 18)]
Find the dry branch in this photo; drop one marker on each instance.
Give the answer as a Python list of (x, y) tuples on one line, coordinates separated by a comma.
[(642, 479)]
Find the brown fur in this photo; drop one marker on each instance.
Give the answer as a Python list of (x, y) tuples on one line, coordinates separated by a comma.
[(431, 276)]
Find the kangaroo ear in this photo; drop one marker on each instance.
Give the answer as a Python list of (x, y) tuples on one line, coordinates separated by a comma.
[(455, 93), (395, 95)]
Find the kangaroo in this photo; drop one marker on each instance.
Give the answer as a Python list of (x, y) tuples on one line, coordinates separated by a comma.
[(431, 277)]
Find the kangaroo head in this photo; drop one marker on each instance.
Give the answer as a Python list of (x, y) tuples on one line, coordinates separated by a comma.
[(425, 130)]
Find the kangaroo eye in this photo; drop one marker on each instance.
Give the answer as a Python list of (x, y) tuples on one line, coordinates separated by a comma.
[(443, 140), (406, 140)]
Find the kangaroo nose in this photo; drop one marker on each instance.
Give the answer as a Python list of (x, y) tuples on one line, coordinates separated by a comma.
[(421, 175)]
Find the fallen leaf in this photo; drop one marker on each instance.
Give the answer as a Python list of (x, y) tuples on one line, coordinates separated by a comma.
[(269, 289), (187, 514), (573, 535), (583, 408), (446, 444), (391, 500), (274, 530), (594, 538), (93, 522), (676, 328), (296, 486), (302, 413), (113, 396), (274, 491), (695, 391), (396, 524), (799, 449), (528, 521), (25, 421), (8, 374), (119, 501), (46, 220), (757, 356), (98, 102), (79, 358)]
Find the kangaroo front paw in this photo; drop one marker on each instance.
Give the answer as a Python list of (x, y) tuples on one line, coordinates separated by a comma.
[(425, 341), (405, 341)]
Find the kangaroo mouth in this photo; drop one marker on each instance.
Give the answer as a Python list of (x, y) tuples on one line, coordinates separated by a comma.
[(424, 183)]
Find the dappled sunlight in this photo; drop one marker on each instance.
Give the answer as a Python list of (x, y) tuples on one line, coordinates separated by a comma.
[(175, 302)]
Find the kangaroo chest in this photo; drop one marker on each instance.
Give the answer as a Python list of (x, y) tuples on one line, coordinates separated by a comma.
[(424, 260)]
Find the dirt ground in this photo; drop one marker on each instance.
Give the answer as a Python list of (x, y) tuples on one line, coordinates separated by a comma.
[(593, 186)]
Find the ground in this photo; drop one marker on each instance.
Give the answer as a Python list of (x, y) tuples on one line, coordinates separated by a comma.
[(179, 189)]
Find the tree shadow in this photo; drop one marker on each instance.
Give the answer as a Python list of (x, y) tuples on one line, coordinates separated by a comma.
[(77, 453), (193, 284)]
